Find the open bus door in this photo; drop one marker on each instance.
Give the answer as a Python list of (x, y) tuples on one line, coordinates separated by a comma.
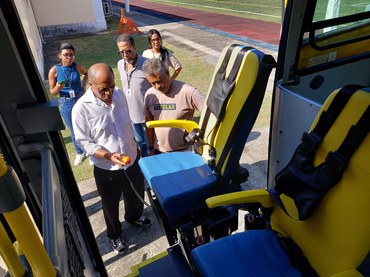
[(35, 171)]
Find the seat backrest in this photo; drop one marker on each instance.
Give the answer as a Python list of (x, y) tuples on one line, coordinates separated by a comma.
[(227, 134), (336, 237)]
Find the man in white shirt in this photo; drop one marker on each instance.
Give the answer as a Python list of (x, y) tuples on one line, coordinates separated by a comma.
[(103, 130)]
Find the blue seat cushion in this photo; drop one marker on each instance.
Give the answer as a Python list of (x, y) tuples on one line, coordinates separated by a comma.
[(251, 253), (180, 180)]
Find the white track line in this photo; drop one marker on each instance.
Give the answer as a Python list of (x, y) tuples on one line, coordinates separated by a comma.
[(223, 9)]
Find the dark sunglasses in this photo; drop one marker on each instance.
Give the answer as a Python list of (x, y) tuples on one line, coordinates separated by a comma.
[(127, 51), (68, 55)]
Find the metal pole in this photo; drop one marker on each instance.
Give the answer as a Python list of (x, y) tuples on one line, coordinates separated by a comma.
[(13, 208), (127, 6), (48, 205), (51, 200)]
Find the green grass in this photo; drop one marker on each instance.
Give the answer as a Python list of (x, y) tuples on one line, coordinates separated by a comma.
[(102, 47)]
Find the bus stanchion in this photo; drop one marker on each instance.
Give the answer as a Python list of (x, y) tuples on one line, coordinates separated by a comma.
[(12, 206), (9, 255)]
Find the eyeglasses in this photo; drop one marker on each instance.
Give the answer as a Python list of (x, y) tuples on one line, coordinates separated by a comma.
[(125, 51), (68, 55), (101, 90)]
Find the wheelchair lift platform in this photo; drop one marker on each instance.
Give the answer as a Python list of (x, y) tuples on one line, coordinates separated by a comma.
[(171, 262)]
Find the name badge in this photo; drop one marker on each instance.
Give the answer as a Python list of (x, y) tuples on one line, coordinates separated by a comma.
[(72, 93), (128, 93)]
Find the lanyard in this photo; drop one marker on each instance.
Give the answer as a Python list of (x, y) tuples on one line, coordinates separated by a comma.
[(65, 75), (129, 75)]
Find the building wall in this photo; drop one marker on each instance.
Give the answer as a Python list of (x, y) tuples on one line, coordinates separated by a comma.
[(25, 11), (49, 18), (69, 17)]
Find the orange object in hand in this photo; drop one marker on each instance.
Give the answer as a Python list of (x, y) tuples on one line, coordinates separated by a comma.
[(126, 160)]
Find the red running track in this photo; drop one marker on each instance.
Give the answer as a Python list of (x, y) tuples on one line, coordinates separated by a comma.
[(255, 29)]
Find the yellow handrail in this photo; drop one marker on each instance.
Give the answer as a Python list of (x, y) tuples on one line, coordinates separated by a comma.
[(3, 167), (28, 238), (187, 125), (9, 255), (21, 224)]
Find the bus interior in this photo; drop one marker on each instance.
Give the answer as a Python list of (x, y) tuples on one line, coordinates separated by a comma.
[(324, 52)]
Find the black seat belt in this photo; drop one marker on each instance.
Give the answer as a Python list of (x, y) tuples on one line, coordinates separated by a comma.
[(334, 165), (307, 184), (310, 187), (196, 135), (364, 267), (328, 117), (246, 116), (352, 141), (226, 88), (220, 75), (296, 257), (221, 91)]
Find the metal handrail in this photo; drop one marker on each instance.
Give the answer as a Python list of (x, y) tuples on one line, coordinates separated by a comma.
[(51, 204), (15, 212)]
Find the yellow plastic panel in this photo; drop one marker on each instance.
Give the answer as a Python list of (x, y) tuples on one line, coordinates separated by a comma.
[(248, 196)]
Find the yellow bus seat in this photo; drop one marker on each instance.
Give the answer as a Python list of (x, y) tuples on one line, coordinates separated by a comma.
[(181, 181), (335, 239)]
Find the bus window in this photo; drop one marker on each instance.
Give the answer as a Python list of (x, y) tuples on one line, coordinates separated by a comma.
[(338, 8), (338, 30)]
